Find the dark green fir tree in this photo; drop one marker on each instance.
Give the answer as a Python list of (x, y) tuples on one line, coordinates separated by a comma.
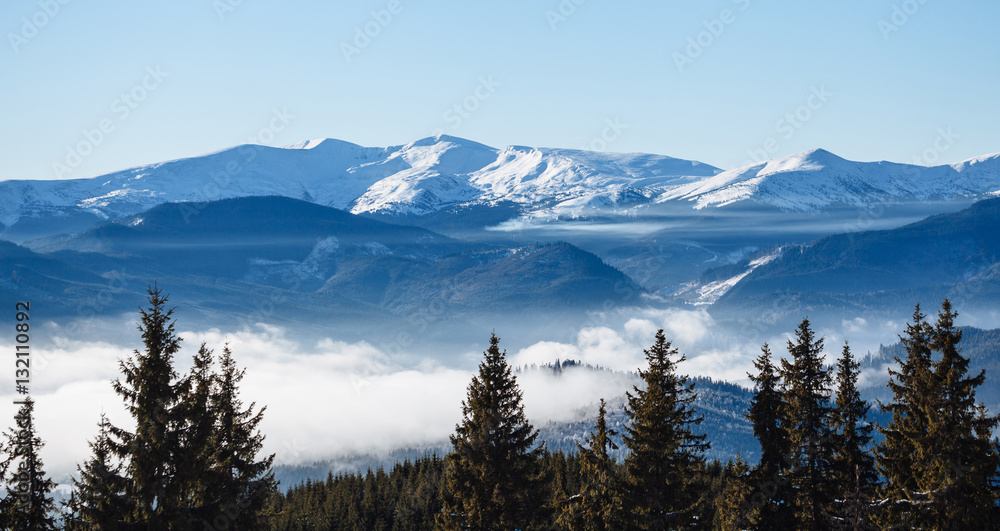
[(854, 477), (771, 505), (492, 477), (806, 409), (241, 479), (194, 464), (939, 456), (597, 507), (99, 502), (28, 505), (151, 391), (663, 487), (912, 387)]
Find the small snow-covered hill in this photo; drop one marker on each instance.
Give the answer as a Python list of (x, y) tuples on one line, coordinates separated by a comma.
[(816, 179)]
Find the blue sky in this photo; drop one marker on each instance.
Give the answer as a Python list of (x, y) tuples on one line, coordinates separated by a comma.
[(722, 81)]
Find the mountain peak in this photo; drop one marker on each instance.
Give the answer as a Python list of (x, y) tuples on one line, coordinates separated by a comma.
[(813, 159), (322, 143), (442, 138)]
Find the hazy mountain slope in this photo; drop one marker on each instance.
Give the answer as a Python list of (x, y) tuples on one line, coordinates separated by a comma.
[(228, 259), (939, 256), (253, 238), (557, 277), (57, 287)]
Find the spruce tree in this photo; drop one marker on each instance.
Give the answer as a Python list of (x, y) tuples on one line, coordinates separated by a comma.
[(597, 507), (663, 484), (733, 495), (240, 479), (194, 466), (968, 467), (151, 392), (854, 477), (28, 505), (771, 504), (492, 477), (896, 457), (952, 479), (806, 411), (939, 456), (99, 501)]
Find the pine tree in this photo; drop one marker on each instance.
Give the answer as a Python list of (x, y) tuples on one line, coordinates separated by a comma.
[(152, 393), (806, 410), (969, 462), (240, 480), (771, 505), (734, 495), (597, 507), (194, 467), (492, 477), (854, 477), (99, 501), (953, 470), (896, 457), (666, 456), (28, 505)]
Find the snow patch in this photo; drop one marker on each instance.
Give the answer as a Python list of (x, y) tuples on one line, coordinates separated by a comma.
[(711, 292)]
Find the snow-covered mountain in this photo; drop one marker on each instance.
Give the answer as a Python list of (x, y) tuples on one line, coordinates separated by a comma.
[(815, 179), (418, 178), (434, 174)]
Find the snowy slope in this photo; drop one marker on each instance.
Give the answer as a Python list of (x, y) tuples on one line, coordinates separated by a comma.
[(418, 178), (815, 179), (703, 295)]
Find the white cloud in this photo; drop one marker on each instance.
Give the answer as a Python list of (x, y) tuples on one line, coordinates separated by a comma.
[(331, 397)]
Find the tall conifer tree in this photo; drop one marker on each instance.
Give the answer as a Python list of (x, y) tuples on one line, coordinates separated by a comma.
[(241, 480), (194, 467), (663, 468), (733, 496), (771, 505), (492, 477), (912, 387), (28, 505), (969, 465), (597, 507), (152, 393), (854, 466), (950, 479), (806, 410), (99, 502)]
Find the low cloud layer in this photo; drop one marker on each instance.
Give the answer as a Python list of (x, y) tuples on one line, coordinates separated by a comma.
[(332, 398), (323, 400)]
